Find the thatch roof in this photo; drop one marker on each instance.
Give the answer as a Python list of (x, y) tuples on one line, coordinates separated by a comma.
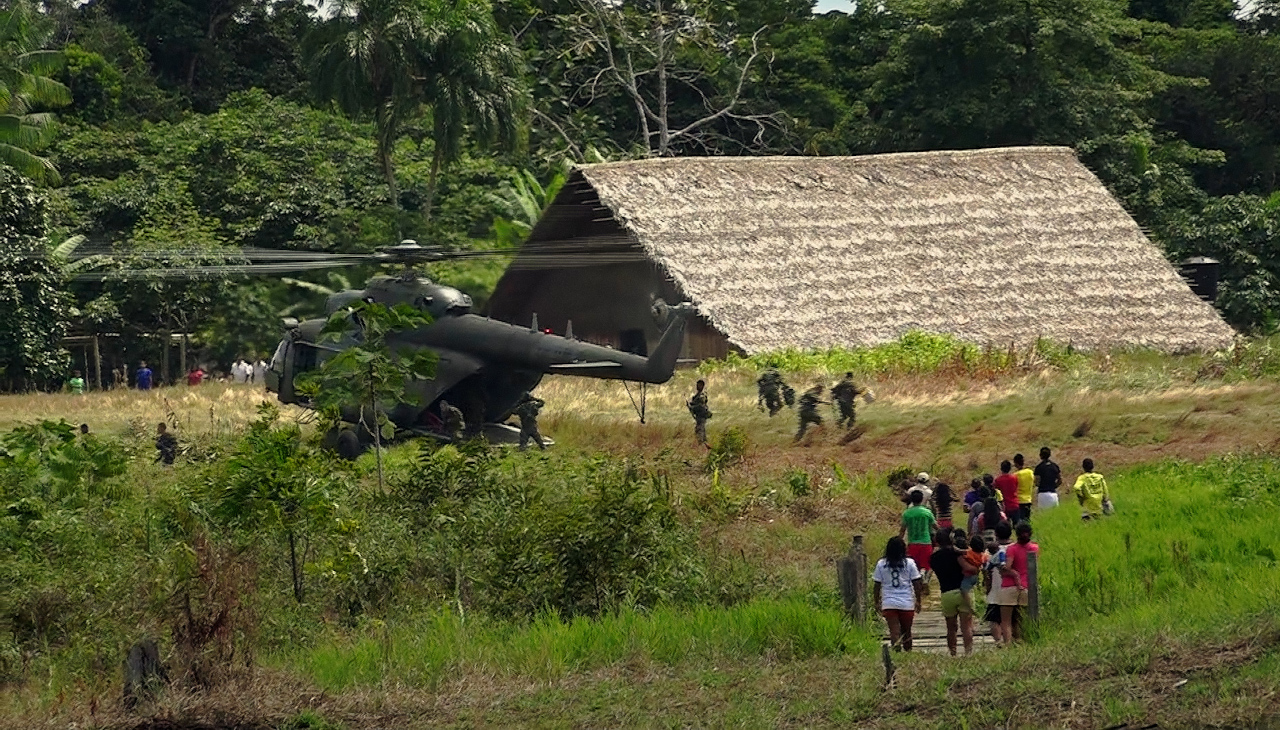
[(992, 246)]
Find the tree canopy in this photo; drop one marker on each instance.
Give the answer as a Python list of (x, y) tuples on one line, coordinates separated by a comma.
[(152, 125)]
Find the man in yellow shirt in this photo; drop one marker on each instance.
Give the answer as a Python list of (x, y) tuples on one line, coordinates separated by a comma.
[(1026, 489), (1092, 492)]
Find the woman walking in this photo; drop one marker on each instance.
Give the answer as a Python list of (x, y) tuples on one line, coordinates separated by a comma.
[(898, 591)]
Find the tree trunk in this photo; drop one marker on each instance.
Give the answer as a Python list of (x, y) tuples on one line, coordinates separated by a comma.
[(377, 429), (664, 128), (437, 161), (293, 565), (386, 148)]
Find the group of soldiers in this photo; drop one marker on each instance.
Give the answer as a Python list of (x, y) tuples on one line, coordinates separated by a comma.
[(774, 394), (454, 425)]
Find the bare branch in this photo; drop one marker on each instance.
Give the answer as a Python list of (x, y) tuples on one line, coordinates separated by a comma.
[(573, 147), (737, 92)]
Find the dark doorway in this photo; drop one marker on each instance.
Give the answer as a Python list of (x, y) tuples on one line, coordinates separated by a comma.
[(634, 342)]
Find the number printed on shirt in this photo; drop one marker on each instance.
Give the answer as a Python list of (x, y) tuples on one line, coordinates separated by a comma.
[(894, 578)]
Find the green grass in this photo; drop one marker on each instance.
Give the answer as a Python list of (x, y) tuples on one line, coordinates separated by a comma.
[(1183, 573), (425, 650)]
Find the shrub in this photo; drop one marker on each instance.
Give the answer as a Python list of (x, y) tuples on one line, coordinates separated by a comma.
[(729, 448), (576, 538)]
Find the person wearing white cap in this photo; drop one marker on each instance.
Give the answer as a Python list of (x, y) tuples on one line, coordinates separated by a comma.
[(922, 486)]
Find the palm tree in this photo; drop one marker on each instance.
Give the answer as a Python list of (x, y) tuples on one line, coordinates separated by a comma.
[(390, 58), (25, 86), (474, 85)]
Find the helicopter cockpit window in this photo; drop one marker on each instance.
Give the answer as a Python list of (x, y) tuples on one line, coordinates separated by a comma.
[(304, 358)]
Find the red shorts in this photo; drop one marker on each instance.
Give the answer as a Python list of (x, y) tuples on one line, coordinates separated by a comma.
[(944, 524), (920, 552)]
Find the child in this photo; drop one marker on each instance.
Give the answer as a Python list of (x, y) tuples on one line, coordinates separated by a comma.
[(971, 564), (997, 557), (1092, 492)]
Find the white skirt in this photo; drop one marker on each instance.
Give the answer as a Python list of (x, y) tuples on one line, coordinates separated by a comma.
[(1045, 500)]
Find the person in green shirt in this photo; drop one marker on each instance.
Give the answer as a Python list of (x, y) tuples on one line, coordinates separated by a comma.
[(918, 526), (1026, 488), (1092, 492), (76, 384)]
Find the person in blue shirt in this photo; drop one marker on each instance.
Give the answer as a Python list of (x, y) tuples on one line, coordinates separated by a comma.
[(143, 376)]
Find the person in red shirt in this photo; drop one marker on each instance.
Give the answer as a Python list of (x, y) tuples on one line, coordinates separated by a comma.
[(196, 376), (1013, 579), (1007, 486)]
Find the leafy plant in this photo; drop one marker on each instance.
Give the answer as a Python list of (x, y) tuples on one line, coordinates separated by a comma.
[(798, 482), (729, 448), (359, 382), (274, 482)]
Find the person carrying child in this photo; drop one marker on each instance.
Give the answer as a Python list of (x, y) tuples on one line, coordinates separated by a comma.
[(972, 562), (945, 563)]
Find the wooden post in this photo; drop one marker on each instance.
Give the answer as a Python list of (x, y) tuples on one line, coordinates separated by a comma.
[(164, 360), (1033, 586), (851, 573), (182, 356), (860, 558), (97, 363)]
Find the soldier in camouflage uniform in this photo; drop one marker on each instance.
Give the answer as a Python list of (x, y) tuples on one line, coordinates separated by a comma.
[(809, 403), (844, 394), (700, 411), (770, 385), (527, 411), (453, 421)]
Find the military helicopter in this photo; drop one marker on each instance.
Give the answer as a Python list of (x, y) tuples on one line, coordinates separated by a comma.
[(485, 365)]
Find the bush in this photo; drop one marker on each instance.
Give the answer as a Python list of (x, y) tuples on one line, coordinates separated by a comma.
[(577, 538), (729, 448)]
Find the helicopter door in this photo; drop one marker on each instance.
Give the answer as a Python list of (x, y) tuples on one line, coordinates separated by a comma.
[(277, 379), (633, 341)]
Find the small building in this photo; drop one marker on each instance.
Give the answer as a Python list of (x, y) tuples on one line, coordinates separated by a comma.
[(995, 247)]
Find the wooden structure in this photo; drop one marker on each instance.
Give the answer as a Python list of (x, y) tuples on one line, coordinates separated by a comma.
[(995, 247), (929, 631)]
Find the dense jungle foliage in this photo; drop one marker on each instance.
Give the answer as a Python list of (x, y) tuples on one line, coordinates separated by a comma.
[(153, 126)]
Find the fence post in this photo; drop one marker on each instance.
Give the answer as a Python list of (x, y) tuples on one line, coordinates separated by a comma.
[(1033, 586), (851, 573)]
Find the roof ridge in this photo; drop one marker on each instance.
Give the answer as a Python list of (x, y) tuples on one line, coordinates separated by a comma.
[(1055, 150)]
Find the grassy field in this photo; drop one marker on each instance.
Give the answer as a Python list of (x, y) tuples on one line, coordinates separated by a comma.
[(1163, 613)]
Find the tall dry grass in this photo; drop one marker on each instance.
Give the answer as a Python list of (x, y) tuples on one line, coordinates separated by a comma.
[(207, 408)]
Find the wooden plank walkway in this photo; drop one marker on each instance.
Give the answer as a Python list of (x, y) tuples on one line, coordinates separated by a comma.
[(929, 630)]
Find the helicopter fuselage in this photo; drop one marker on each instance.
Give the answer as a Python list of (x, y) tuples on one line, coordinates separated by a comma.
[(485, 366)]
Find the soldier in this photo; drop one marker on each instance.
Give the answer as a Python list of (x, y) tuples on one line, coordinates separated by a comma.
[(166, 445), (453, 421), (770, 385), (527, 410), (700, 411), (844, 394), (809, 409)]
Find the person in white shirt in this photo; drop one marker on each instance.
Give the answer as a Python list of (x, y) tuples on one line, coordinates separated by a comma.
[(241, 371), (898, 591), (260, 372)]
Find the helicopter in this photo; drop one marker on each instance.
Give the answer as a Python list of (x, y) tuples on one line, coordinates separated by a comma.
[(485, 366)]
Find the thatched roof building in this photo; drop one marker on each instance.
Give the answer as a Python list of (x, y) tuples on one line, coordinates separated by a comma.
[(992, 246)]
